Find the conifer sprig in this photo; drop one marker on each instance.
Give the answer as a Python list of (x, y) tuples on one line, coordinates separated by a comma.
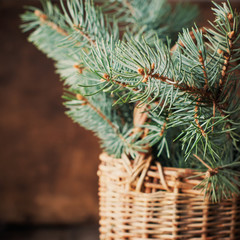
[(59, 35), (189, 89)]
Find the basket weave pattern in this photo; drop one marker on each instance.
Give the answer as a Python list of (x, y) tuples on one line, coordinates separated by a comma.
[(163, 206)]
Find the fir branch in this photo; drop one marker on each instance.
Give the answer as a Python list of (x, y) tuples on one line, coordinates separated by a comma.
[(192, 35), (159, 18), (98, 111), (190, 90), (225, 35), (147, 74), (183, 87), (220, 182), (45, 20), (114, 138)]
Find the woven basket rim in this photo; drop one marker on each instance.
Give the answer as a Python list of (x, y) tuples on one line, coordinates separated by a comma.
[(182, 172), (183, 181), (169, 179)]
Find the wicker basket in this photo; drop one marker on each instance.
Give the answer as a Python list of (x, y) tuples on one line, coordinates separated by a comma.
[(150, 202)]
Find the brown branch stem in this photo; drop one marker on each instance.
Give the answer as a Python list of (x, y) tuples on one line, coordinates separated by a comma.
[(196, 119), (223, 114), (44, 19), (78, 29), (124, 85), (227, 54), (220, 110), (204, 70), (86, 102), (163, 129), (195, 91), (211, 171), (200, 160), (214, 114), (129, 6), (185, 88)]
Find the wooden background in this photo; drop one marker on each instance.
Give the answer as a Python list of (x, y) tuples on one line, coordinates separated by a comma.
[(48, 164)]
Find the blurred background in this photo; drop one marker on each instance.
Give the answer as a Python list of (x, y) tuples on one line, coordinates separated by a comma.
[(48, 164)]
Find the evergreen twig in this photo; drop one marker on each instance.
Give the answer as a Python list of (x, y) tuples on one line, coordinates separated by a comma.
[(189, 84)]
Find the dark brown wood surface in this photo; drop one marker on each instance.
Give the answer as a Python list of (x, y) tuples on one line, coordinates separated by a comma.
[(47, 163)]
